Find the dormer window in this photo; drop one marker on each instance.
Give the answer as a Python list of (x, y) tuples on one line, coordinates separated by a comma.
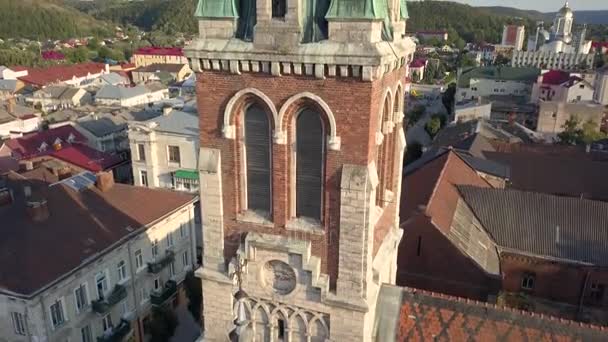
[(279, 8), (57, 142), (43, 147), (71, 138)]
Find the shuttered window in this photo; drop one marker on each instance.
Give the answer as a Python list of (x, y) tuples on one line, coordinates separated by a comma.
[(310, 146), (257, 146)]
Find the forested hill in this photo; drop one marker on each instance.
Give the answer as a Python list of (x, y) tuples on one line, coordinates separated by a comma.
[(166, 15), (472, 24), (40, 19)]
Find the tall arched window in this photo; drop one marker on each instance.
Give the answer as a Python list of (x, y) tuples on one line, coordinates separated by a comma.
[(382, 154), (310, 155), (258, 159)]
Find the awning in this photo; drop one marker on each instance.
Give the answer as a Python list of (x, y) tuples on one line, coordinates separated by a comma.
[(186, 174)]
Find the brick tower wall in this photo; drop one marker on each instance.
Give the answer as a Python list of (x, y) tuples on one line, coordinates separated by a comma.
[(356, 106)]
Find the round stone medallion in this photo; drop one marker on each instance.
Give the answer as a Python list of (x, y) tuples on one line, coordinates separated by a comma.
[(279, 277)]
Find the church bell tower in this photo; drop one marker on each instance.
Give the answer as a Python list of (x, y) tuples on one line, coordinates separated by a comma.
[(302, 142)]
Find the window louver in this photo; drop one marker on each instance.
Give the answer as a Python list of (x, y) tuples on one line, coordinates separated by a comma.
[(257, 144), (310, 143)]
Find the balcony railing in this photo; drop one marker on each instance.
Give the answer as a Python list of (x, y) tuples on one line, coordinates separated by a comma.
[(158, 265), (159, 297), (103, 306), (116, 334)]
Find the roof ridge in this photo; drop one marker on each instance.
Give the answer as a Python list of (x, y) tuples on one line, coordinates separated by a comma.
[(487, 305), (438, 180)]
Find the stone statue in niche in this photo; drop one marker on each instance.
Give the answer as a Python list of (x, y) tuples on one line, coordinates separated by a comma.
[(279, 276)]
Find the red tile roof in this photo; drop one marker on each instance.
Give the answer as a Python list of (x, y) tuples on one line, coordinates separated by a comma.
[(418, 63), (555, 77), (81, 227), (52, 55), (428, 316), (597, 45), (61, 73), (87, 158), (28, 145), (162, 51), (75, 153), (432, 189)]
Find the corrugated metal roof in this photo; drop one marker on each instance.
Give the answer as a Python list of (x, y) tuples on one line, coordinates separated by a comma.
[(552, 226), (178, 122)]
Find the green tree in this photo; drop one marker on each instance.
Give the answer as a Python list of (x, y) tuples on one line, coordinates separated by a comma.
[(572, 134), (163, 324), (576, 133), (502, 60), (448, 97), (415, 114), (194, 291), (433, 126), (591, 132), (413, 153), (93, 44), (77, 55)]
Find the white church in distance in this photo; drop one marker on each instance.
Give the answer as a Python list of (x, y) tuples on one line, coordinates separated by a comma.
[(559, 48)]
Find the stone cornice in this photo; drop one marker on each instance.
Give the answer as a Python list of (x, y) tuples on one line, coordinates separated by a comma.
[(320, 60)]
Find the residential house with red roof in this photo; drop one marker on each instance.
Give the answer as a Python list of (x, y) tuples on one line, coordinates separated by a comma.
[(75, 75), (64, 144), (464, 237), (416, 69), (562, 86), (85, 259), (158, 55)]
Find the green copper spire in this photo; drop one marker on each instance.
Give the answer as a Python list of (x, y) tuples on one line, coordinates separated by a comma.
[(357, 9), (404, 13), (216, 9)]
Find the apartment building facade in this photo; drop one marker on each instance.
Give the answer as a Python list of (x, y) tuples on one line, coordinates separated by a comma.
[(164, 151), (102, 278)]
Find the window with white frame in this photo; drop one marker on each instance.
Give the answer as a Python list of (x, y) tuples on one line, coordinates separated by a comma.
[(169, 239), (174, 156), (106, 323), (185, 259), (172, 268), (124, 305), (139, 259), (154, 249), (18, 323), (183, 230), (57, 313), (141, 152), (144, 296), (143, 177), (81, 297), (122, 270), (101, 283), (86, 334), (527, 281)]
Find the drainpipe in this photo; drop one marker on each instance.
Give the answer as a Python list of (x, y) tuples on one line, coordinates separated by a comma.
[(45, 318), (580, 302), (134, 288)]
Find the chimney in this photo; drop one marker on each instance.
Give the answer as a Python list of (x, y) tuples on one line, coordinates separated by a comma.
[(167, 110), (105, 181), (37, 210), (26, 165), (10, 106)]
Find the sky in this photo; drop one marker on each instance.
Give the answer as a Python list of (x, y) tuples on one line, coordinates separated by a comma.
[(541, 5)]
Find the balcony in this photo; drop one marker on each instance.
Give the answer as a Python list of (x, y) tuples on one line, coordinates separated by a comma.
[(158, 265), (116, 334), (103, 306), (159, 297)]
